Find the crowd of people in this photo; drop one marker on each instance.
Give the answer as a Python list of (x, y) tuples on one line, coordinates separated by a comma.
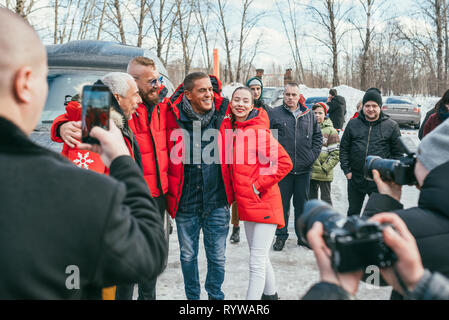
[(195, 154)]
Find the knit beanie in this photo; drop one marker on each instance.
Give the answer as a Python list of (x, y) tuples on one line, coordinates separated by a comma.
[(254, 82), (433, 150), (373, 94)]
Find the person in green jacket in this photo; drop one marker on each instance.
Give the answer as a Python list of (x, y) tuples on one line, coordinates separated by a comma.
[(323, 168)]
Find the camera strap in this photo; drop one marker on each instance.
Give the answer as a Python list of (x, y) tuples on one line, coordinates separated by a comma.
[(401, 283)]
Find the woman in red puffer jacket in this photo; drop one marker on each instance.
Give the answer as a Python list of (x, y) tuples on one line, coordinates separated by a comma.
[(256, 162)]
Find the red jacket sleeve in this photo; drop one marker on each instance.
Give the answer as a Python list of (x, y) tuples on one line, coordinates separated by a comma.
[(63, 118), (278, 161)]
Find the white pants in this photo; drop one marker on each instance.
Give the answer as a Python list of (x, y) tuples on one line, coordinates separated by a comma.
[(261, 274)]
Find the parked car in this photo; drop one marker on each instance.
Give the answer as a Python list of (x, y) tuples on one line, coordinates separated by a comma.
[(312, 100), (404, 110), (273, 96), (77, 63)]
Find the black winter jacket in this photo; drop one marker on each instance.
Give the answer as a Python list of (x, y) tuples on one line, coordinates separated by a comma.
[(337, 111), (429, 222), (362, 138), (58, 222), (301, 137)]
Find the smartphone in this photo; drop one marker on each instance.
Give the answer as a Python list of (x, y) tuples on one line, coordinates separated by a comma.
[(96, 101)]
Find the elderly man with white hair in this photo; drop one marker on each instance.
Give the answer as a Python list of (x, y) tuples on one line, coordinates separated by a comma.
[(127, 99)]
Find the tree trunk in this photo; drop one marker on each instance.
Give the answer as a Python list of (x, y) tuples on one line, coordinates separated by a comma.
[(120, 21)]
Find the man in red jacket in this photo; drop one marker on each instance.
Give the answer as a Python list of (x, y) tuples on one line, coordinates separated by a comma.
[(148, 125)]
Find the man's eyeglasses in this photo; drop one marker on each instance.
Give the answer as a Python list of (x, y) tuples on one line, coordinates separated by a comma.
[(154, 82)]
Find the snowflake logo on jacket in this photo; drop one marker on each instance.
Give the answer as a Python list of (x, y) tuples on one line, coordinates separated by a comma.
[(83, 161)]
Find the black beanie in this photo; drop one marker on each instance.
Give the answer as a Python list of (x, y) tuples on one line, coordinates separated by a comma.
[(373, 94)]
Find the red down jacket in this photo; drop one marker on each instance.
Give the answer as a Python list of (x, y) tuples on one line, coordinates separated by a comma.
[(259, 159), (149, 127), (175, 143), (83, 159)]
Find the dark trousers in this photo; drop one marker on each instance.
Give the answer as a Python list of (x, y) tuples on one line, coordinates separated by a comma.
[(324, 187), (357, 190), (296, 185), (147, 290)]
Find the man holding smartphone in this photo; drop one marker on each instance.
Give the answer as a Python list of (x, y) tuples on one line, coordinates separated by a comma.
[(107, 231)]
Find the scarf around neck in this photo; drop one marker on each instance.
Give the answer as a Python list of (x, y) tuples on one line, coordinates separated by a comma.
[(192, 115)]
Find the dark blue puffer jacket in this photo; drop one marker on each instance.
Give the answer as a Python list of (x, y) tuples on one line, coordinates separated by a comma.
[(300, 137)]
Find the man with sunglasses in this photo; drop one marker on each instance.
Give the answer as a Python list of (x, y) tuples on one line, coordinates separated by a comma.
[(148, 124)]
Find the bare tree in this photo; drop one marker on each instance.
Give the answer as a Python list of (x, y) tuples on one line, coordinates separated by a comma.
[(163, 15), (220, 12), (331, 14), (203, 21), (291, 30), (184, 13)]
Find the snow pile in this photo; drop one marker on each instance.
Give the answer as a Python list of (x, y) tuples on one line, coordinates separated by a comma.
[(227, 90)]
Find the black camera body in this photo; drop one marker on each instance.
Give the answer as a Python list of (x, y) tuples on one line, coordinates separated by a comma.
[(401, 172), (355, 243)]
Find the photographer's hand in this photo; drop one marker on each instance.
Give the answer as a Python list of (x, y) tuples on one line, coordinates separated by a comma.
[(402, 242), (388, 188), (348, 281), (111, 145)]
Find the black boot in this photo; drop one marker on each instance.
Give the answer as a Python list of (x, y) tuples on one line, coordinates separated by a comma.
[(272, 297), (279, 244), (235, 236)]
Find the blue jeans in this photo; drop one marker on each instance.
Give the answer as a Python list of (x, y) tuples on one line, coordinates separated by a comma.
[(215, 231)]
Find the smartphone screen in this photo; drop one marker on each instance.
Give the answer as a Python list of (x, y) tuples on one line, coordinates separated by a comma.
[(96, 101)]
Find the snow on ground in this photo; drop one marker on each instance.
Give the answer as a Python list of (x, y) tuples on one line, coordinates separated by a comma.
[(294, 267)]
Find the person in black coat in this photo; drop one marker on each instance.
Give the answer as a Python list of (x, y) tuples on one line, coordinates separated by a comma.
[(65, 232), (337, 109), (429, 221), (300, 134), (372, 133)]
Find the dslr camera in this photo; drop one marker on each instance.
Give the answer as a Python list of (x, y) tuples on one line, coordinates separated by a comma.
[(399, 171), (355, 243)]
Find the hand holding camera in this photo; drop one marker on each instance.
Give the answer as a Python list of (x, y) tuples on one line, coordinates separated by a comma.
[(344, 248), (348, 281), (409, 265)]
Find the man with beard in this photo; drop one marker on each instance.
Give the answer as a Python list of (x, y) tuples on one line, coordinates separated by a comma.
[(148, 126), (372, 133)]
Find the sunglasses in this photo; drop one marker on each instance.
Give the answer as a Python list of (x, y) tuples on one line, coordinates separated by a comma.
[(154, 82)]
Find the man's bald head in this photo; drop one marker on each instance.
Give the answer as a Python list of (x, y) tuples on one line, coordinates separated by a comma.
[(23, 71), (19, 46)]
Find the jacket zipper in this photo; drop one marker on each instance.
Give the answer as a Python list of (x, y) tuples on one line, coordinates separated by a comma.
[(369, 139), (296, 126)]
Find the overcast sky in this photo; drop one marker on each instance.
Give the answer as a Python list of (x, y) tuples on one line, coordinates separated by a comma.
[(275, 46)]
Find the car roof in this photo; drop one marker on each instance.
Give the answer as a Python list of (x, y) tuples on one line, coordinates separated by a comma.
[(98, 55), (314, 98)]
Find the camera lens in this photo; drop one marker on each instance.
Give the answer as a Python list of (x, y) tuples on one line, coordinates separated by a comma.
[(317, 210), (386, 167)]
